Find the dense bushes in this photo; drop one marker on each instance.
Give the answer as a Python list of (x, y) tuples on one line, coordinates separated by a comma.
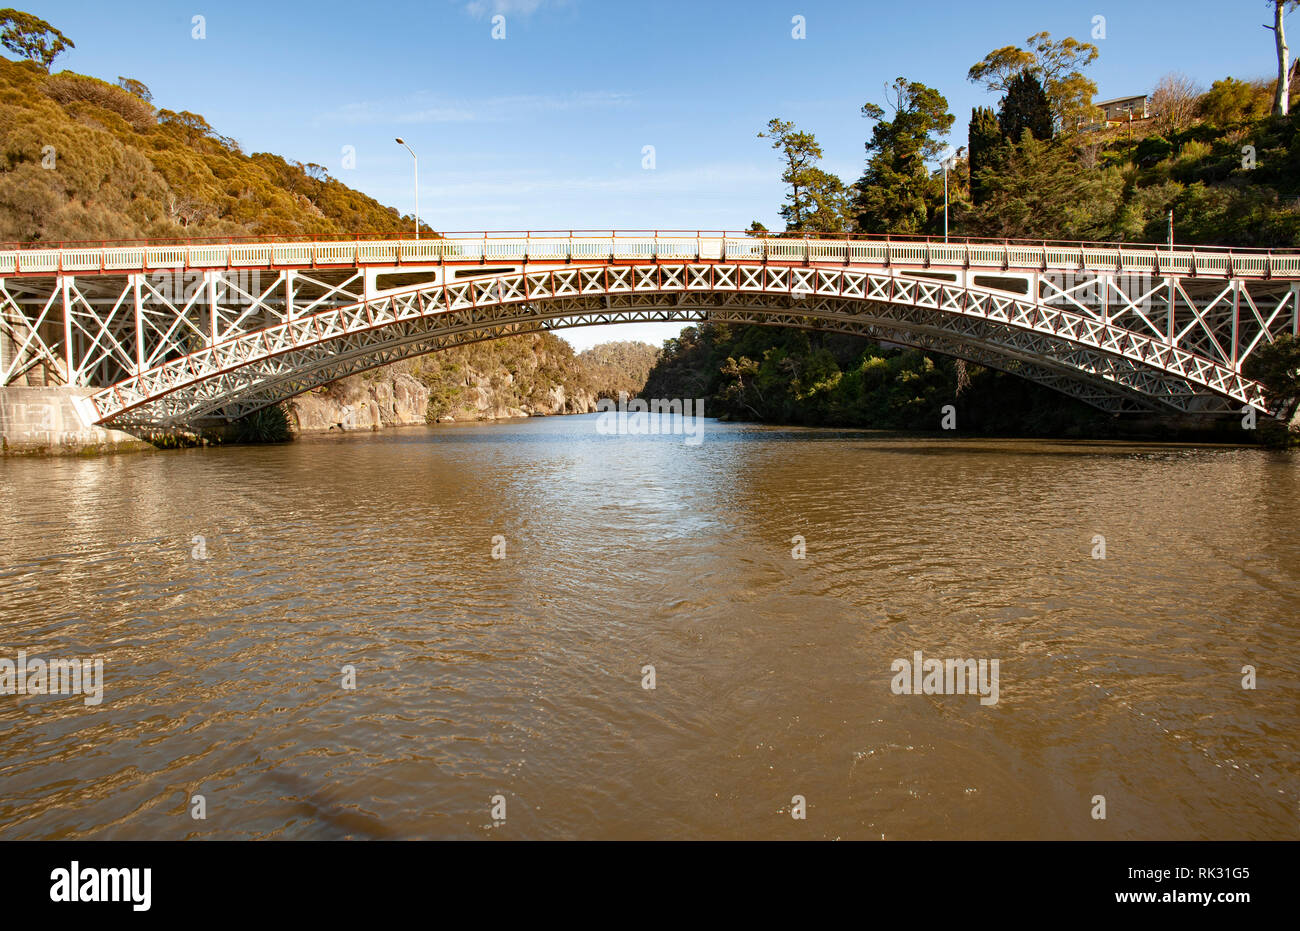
[(823, 379), (67, 87), (618, 366), (268, 425)]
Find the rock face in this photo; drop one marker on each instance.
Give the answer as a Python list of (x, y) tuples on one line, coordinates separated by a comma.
[(383, 398), (528, 375), (492, 396), (527, 378)]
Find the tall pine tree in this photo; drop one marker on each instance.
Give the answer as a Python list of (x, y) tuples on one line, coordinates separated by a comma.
[(1025, 106), (897, 193), (983, 142)]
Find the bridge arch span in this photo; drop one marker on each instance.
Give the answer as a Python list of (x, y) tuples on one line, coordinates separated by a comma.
[(1055, 339)]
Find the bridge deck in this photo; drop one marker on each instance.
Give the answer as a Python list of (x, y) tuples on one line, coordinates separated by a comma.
[(619, 247)]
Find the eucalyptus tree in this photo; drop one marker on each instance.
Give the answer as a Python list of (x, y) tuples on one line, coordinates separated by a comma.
[(1058, 65), (32, 37)]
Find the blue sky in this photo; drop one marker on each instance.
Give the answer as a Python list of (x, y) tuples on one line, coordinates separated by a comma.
[(545, 129)]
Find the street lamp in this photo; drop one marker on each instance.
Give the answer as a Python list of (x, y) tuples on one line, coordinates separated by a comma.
[(402, 143), (949, 164)]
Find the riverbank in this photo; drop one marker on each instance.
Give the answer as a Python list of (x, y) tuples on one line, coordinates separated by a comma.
[(530, 375)]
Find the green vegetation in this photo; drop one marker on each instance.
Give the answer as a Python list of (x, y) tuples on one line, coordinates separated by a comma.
[(32, 37), (1057, 67), (1277, 367), (518, 370), (268, 425), (536, 370), (1226, 162), (618, 367), (895, 191), (822, 379), (1025, 109), (817, 199)]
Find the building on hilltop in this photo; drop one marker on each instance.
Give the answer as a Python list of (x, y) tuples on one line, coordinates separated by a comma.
[(1122, 109), (1119, 111)]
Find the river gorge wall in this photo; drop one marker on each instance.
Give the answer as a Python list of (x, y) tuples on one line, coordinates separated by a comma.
[(529, 375), (392, 397)]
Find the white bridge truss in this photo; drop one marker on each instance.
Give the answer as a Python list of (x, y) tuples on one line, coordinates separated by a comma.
[(180, 335)]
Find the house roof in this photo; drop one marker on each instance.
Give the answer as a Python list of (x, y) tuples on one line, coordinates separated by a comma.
[(1106, 103)]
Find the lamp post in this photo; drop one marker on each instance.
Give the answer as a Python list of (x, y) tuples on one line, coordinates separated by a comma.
[(402, 143), (949, 163)]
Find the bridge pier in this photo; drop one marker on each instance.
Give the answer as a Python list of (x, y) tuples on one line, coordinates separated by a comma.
[(53, 421)]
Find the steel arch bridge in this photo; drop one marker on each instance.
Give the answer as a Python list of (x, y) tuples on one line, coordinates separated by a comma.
[(182, 334)]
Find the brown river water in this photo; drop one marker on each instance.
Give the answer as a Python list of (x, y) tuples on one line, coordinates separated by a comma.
[(521, 677)]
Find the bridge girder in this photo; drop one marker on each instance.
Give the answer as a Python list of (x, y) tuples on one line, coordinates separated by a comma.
[(224, 347)]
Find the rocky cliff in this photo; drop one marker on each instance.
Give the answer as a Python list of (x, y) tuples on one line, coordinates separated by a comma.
[(521, 376), (383, 398)]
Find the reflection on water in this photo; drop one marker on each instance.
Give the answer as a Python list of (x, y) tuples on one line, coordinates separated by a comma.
[(522, 676)]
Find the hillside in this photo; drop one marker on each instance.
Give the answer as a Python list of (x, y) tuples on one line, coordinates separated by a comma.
[(1214, 166), (1227, 169), (619, 367), (84, 159), (519, 376)]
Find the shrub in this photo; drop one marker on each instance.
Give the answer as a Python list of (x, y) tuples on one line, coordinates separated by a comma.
[(1153, 149), (67, 87), (268, 425), (1193, 151)]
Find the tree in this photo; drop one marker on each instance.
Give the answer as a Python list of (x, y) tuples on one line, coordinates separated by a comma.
[(1025, 107), (984, 138), (895, 192), (193, 126), (1229, 102), (1035, 190), (817, 199), (1058, 67), (1277, 367), (132, 86), (1174, 102), (1282, 95), (829, 204), (32, 37)]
